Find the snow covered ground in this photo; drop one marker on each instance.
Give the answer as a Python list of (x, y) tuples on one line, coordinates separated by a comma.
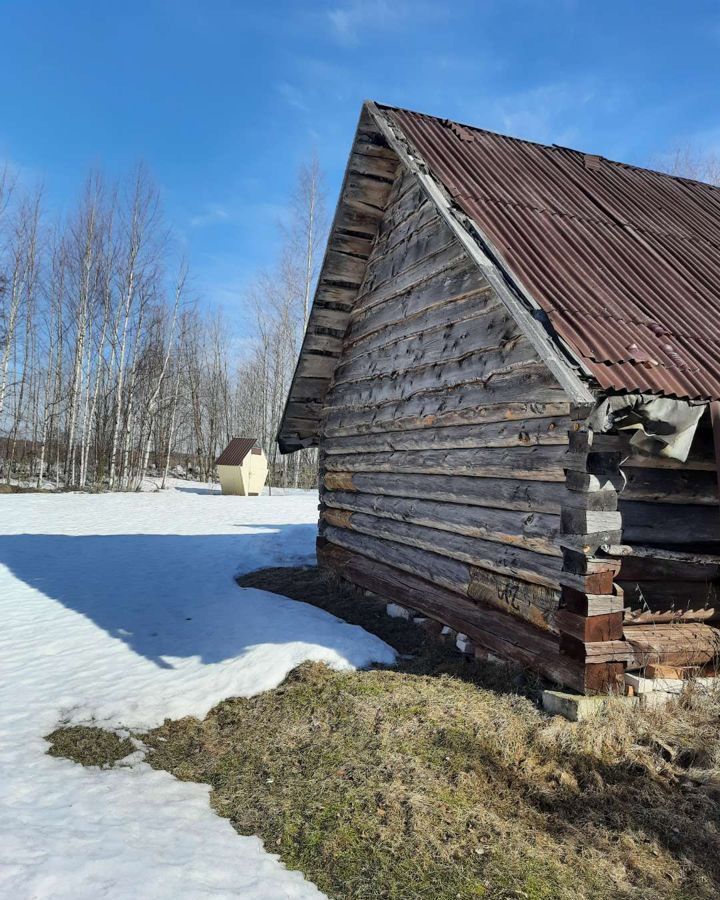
[(122, 608)]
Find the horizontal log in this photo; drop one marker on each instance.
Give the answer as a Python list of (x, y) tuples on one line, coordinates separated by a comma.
[(589, 544), (689, 486), (503, 559), (694, 462), (586, 440), (538, 463), (450, 305), (451, 288), (671, 571), (581, 564), (669, 523), (604, 466), (449, 339), (596, 501), (407, 245), (448, 255), (638, 551), (584, 482), (532, 384), (534, 531), (503, 493), (341, 423), (492, 434), (496, 631), (466, 368)]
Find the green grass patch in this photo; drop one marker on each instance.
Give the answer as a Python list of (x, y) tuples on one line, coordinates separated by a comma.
[(441, 779), (88, 745)]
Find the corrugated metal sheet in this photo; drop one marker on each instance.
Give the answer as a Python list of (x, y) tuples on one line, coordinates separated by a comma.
[(625, 261), (236, 451)]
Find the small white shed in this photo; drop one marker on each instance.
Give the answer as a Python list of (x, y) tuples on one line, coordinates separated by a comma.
[(242, 467)]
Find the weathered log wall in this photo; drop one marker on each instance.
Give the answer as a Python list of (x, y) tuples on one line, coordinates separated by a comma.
[(671, 532), (443, 443)]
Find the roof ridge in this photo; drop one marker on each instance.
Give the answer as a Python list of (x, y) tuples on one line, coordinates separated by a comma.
[(613, 162)]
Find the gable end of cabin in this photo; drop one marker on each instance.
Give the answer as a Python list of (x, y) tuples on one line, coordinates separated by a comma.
[(458, 473)]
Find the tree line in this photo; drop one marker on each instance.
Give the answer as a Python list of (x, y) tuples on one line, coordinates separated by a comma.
[(111, 370)]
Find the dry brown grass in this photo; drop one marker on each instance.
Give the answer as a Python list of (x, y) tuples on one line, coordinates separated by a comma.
[(442, 779)]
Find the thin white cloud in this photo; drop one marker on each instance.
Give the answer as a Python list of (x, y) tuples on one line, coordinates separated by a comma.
[(292, 96), (213, 214), (351, 20)]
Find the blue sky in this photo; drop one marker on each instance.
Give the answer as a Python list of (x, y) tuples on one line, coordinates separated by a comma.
[(224, 99)]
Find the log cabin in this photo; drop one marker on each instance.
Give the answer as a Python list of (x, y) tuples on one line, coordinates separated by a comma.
[(511, 369)]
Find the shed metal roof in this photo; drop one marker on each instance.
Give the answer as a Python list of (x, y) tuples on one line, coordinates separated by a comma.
[(236, 451), (625, 261)]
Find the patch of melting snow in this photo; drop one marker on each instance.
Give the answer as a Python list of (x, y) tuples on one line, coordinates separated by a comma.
[(121, 609)]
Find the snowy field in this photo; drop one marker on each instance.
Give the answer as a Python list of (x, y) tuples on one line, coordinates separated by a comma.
[(122, 608)]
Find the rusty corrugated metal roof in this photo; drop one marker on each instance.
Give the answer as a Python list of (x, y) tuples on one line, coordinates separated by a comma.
[(236, 451), (625, 261)]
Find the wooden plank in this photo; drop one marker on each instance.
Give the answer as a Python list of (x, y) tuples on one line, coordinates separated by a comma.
[(538, 463), (455, 339), (590, 629), (596, 652), (534, 531), (503, 559), (669, 523), (325, 343), (540, 431), (588, 604), (467, 368), (313, 365), (499, 632), (397, 417), (689, 486), (444, 308), (452, 283), (503, 493)]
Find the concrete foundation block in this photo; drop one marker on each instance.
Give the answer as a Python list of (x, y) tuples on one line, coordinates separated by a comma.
[(576, 707), (395, 611), (464, 644)]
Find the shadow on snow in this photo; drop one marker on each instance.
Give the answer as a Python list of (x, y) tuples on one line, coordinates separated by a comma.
[(168, 595)]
